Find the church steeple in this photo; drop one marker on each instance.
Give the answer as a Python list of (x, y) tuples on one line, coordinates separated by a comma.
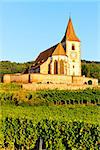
[(72, 51), (70, 33)]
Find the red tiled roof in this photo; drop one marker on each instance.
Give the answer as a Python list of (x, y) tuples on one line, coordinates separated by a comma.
[(70, 33), (59, 50), (43, 56)]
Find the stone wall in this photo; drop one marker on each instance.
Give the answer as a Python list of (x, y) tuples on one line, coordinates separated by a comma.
[(43, 78), (84, 80), (40, 86), (51, 78), (7, 78), (19, 78)]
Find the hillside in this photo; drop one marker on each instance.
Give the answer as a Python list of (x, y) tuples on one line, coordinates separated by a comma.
[(13, 67)]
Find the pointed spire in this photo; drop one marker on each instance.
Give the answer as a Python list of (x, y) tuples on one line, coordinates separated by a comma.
[(70, 33), (69, 15)]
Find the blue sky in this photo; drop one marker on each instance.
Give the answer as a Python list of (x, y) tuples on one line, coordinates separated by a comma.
[(29, 27)]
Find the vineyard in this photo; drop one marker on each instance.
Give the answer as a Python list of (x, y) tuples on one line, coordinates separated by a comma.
[(62, 120), (13, 93), (55, 134)]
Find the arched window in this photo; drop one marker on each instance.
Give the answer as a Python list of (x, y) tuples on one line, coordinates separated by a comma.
[(73, 47), (61, 67), (55, 67), (90, 82)]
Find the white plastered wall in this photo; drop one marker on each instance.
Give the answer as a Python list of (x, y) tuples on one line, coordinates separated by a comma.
[(76, 62), (59, 58)]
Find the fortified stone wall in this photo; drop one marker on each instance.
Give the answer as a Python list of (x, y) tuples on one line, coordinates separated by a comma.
[(7, 78), (35, 86), (51, 78), (19, 78), (94, 81), (84, 80), (42, 78), (25, 78)]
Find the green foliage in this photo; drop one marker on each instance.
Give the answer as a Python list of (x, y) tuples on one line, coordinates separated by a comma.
[(56, 135), (26, 118), (89, 114), (60, 127), (71, 97), (91, 69), (10, 87), (14, 94), (85, 70), (19, 132), (7, 67), (29, 96)]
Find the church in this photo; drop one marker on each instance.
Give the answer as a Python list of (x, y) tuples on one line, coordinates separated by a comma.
[(59, 64), (62, 58)]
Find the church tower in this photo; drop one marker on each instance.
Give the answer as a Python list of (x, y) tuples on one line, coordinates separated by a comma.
[(72, 51)]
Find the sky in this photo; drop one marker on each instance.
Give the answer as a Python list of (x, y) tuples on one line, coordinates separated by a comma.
[(28, 27)]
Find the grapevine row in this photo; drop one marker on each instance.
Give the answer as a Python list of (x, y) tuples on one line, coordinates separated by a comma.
[(56, 135), (52, 96)]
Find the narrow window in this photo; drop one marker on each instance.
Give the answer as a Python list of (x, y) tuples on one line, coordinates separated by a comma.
[(73, 47), (55, 67), (61, 67), (49, 69)]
